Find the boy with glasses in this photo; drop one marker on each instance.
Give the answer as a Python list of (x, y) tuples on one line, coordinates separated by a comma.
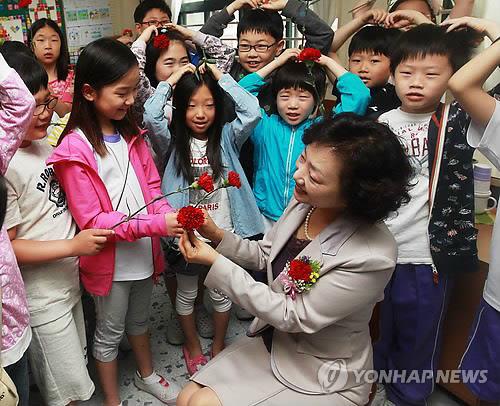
[(151, 12)]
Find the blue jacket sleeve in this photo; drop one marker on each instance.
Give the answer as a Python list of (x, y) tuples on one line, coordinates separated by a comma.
[(252, 83), (354, 95), (154, 116), (247, 111)]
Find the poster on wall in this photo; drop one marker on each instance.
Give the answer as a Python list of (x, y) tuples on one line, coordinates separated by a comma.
[(13, 28), (86, 21), (45, 9)]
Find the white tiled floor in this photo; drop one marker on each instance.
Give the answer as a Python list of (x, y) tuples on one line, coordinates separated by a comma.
[(169, 363)]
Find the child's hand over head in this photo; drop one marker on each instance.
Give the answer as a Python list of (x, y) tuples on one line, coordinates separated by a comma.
[(174, 229), (239, 4), (375, 16), (405, 19), (179, 73), (286, 55), (183, 31), (148, 33), (275, 5), (90, 242), (482, 26), (210, 67)]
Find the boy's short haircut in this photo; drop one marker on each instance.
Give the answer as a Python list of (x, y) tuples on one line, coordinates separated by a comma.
[(262, 22), (30, 70), (293, 75), (147, 5), (430, 39), (376, 39)]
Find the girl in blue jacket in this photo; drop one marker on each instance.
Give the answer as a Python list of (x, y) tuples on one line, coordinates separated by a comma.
[(298, 92)]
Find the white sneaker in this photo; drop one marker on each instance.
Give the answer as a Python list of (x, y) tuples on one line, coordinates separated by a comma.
[(380, 396), (158, 386)]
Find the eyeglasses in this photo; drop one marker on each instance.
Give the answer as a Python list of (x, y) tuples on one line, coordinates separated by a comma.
[(50, 105), (260, 48), (155, 22)]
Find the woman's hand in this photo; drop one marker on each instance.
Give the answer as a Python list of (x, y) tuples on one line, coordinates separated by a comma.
[(480, 25), (179, 73), (174, 229), (196, 251), (210, 231)]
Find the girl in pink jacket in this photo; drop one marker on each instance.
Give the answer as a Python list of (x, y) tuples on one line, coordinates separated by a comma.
[(107, 172), (16, 110)]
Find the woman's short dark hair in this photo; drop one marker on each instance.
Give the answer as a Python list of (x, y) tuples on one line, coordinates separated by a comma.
[(30, 70), (153, 53), (430, 39), (294, 75), (376, 172), (62, 64), (101, 63)]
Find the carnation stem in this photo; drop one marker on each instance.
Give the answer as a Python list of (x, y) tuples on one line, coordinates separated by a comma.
[(135, 213)]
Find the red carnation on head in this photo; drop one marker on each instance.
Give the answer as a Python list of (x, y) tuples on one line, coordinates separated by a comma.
[(300, 270), (309, 54), (161, 41), (190, 218), (233, 179)]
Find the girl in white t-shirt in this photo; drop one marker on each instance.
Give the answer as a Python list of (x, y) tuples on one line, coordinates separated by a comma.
[(105, 167), (201, 142)]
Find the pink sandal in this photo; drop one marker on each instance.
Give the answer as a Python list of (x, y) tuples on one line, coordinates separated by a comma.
[(193, 365)]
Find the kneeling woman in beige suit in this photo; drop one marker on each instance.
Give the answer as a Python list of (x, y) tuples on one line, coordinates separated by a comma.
[(307, 348)]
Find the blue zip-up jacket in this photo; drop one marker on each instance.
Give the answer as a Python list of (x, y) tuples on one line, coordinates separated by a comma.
[(278, 145), (245, 215)]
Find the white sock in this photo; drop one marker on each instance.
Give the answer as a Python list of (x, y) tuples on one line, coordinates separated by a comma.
[(153, 378)]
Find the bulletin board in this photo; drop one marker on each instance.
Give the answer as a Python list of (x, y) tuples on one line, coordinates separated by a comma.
[(86, 21)]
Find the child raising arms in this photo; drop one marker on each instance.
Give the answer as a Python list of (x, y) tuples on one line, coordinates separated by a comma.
[(201, 142), (106, 170)]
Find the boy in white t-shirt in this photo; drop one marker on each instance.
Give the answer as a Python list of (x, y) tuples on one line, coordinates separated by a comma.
[(42, 233), (483, 349), (435, 230)]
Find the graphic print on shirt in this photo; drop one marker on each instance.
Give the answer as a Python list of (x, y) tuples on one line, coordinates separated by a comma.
[(48, 184), (414, 139), (217, 204)]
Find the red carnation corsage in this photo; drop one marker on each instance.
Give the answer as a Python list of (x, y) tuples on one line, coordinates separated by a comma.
[(204, 182), (190, 218), (309, 54), (299, 276), (161, 41)]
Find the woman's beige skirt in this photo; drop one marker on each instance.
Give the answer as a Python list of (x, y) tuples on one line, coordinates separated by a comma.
[(241, 375)]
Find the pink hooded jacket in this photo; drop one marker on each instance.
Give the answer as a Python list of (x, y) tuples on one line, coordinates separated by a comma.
[(75, 165), (16, 110)]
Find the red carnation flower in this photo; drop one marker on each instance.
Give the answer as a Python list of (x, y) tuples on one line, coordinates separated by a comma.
[(309, 54), (161, 41), (300, 270), (24, 3), (233, 179), (190, 218), (206, 182), (127, 32)]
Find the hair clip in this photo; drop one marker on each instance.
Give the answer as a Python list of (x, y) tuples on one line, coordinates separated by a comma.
[(161, 41)]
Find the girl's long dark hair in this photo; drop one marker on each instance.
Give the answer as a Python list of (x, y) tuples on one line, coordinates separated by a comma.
[(101, 63), (183, 92), (62, 64)]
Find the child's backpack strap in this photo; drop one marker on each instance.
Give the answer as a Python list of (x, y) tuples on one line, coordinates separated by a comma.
[(438, 155)]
